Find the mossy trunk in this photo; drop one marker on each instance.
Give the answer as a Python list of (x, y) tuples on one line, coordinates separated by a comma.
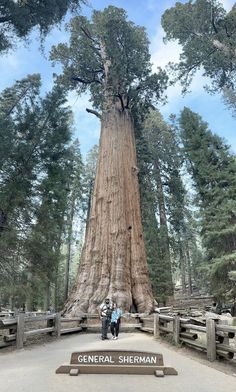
[(113, 262)]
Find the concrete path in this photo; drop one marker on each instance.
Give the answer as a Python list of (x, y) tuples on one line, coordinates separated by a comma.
[(33, 369)]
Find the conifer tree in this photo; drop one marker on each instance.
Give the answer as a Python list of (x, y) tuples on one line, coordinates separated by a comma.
[(35, 168), (213, 168), (206, 33), (157, 135), (19, 17)]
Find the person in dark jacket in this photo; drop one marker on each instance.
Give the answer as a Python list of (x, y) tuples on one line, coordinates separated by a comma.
[(105, 316)]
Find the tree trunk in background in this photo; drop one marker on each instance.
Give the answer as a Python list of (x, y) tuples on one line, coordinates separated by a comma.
[(48, 296), (113, 262), (164, 235), (189, 270), (182, 267), (69, 244)]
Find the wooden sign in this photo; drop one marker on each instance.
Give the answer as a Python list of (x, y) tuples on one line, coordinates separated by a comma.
[(116, 362)]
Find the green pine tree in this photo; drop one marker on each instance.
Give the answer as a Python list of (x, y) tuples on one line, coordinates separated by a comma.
[(213, 168)]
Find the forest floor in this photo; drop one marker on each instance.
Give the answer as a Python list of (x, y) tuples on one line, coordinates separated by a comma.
[(33, 368)]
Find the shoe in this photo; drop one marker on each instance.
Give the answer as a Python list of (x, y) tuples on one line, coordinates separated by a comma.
[(106, 338), (116, 337), (113, 337)]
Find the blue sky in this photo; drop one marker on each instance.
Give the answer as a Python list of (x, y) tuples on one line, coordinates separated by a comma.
[(28, 59)]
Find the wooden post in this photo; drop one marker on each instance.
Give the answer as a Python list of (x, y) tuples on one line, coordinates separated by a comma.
[(57, 325), (224, 335), (211, 339), (20, 331), (50, 324), (156, 330), (176, 329)]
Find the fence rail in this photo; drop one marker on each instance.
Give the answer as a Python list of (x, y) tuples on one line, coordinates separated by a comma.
[(215, 339), (16, 331), (19, 328)]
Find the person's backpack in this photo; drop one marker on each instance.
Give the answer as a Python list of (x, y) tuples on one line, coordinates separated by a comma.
[(106, 311)]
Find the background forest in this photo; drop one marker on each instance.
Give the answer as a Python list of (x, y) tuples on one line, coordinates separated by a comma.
[(187, 173)]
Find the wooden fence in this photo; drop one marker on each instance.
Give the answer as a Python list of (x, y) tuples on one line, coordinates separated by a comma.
[(15, 331), (217, 340)]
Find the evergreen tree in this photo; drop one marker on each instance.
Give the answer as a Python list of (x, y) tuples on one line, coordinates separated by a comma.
[(213, 168), (74, 207), (56, 170), (156, 132), (18, 168), (36, 167), (207, 34), (19, 17)]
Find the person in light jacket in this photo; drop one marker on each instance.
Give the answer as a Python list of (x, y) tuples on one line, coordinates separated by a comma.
[(115, 321)]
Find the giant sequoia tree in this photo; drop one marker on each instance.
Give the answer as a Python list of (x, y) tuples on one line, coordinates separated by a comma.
[(109, 57)]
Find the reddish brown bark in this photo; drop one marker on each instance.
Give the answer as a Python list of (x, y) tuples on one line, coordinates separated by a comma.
[(113, 262)]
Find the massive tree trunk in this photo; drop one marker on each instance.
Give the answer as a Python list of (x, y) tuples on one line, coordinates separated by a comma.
[(113, 262)]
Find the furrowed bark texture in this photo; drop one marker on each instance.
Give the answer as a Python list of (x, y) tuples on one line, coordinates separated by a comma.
[(113, 262)]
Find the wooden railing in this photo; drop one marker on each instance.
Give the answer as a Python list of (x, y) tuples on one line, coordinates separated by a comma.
[(214, 338), (217, 340), (16, 331)]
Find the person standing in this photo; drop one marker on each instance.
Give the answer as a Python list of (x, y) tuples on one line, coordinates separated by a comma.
[(115, 321), (105, 315)]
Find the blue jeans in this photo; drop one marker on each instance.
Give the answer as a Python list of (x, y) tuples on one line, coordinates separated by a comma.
[(105, 325)]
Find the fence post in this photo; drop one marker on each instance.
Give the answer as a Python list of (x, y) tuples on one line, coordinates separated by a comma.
[(211, 339), (57, 325), (156, 330), (176, 329), (50, 323), (20, 331)]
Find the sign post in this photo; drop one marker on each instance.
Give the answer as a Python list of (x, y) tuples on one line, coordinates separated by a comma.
[(116, 362)]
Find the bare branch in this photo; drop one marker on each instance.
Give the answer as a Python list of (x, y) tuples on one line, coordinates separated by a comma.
[(86, 81), (94, 112), (88, 35), (213, 21)]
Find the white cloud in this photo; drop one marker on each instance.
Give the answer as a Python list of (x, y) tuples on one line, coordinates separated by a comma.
[(162, 54)]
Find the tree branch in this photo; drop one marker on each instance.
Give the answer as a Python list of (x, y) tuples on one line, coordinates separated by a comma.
[(4, 19), (86, 81), (88, 35), (213, 21), (94, 112), (121, 101)]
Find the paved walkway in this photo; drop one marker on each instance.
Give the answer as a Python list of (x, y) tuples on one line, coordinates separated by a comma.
[(33, 369)]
